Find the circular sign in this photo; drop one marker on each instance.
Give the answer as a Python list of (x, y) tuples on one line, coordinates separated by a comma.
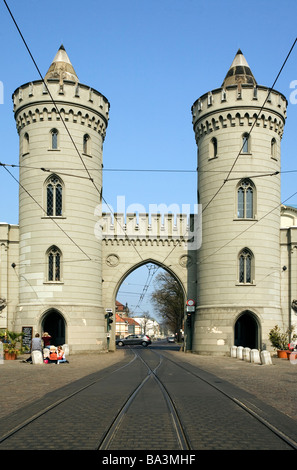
[(190, 302)]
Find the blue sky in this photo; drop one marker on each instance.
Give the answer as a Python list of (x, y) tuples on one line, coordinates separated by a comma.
[(151, 59)]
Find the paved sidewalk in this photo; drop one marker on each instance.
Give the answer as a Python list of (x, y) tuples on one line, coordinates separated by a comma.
[(21, 384), (275, 385)]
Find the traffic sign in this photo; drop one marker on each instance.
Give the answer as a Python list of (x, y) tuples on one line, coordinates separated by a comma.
[(190, 308), (190, 302)]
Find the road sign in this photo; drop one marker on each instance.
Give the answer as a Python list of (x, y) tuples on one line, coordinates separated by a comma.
[(190, 308), (190, 302)]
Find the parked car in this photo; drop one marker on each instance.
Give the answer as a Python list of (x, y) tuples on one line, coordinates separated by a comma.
[(171, 339), (143, 340)]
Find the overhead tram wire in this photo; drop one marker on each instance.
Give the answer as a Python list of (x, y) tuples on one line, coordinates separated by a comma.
[(253, 125), (64, 123), (50, 217), (60, 171), (232, 167), (248, 228), (91, 179)]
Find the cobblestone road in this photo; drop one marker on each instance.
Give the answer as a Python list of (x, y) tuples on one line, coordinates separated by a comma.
[(25, 384)]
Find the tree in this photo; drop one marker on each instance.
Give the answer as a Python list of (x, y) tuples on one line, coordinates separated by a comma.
[(168, 298)]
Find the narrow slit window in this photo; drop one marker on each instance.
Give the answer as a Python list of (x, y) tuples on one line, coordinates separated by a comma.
[(86, 144), (245, 143), (54, 137), (273, 148)]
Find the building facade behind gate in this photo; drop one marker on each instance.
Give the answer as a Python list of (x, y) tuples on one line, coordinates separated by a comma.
[(62, 266)]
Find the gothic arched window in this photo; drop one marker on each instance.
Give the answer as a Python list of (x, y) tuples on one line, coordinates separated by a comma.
[(54, 259), (245, 199), (54, 196), (246, 261)]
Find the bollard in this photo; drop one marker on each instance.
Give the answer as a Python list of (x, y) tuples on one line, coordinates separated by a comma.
[(37, 357), (255, 356), (266, 357), (234, 351), (239, 352), (247, 354), (65, 348)]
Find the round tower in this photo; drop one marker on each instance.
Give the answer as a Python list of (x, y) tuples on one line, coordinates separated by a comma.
[(238, 129), (61, 127)]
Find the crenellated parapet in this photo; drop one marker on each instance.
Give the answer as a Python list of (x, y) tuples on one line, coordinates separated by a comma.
[(238, 106), (147, 229), (68, 100)]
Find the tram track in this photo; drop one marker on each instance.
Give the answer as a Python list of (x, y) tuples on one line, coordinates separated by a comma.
[(56, 403), (277, 432), (155, 380), (182, 439)]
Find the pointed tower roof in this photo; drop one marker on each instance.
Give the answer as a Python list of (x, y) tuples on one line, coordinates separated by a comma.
[(239, 72), (61, 67)]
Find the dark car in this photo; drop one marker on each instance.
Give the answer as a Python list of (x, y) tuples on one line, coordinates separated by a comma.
[(143, 340)]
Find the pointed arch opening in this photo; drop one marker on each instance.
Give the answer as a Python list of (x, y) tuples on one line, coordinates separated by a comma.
[(134, 298), (247, 330), (54, 323)]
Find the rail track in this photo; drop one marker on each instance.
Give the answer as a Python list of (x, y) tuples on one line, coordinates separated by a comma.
[(151, 403)]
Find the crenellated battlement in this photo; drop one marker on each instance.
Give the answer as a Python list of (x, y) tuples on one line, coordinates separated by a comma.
[(34, 102), (239, 106), (148, 227)]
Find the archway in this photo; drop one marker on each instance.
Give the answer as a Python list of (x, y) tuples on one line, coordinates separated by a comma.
[(54, 324), (246, 331), (133, 294)]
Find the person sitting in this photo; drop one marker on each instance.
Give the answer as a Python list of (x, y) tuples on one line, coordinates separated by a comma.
[(53, 357), (61, 355), (35, 346), (46, 339)]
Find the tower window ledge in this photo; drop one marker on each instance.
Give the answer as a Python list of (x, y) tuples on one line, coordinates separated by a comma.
[(53, 217), (247, 284), (249, 154), (213, 158), (87, 155), (54, 282), (54, 150), (26, 153), (248, 219)]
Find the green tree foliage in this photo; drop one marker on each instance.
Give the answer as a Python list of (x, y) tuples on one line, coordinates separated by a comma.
[(168, 299)]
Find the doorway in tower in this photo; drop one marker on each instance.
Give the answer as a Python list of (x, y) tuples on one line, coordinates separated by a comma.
[(246, 331), (54, 324)]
